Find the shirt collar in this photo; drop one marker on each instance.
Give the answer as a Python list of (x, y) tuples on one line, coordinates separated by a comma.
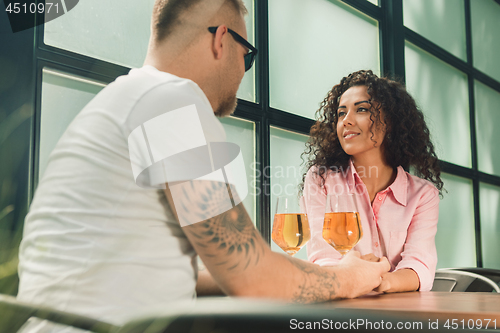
[(398, 187), (352, 176)]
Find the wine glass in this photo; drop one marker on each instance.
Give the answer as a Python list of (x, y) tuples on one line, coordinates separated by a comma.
[(291, 227), (342, 225)]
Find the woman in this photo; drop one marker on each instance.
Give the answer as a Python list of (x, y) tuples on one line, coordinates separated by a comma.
[(369, 131)]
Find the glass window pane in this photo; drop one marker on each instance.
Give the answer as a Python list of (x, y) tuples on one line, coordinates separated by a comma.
[(115, 31), (426, 17), (118, 32), (286, 170), (490, 224), (63, 97), (242, 132), (487, 119), (312, 45), (247, 86), (485, 36), (455, 238), (441, 92), (375, 2)]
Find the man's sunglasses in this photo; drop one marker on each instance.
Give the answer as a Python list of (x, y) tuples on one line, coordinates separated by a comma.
[(250, 56)]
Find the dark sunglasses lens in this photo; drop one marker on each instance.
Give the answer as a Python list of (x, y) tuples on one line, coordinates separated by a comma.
[(249, 58)]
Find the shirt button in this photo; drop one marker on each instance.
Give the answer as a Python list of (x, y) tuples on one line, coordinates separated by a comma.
[(376, 244), (380, 198)]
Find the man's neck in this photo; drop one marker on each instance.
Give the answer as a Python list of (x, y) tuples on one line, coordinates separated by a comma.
[(185, 64)]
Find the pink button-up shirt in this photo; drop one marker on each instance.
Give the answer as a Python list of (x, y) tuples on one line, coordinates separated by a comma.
[(400, 225)]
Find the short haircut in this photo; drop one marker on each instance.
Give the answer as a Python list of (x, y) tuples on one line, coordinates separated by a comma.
[(167, 14)]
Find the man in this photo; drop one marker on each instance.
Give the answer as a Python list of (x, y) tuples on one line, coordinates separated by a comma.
[(97, 244)]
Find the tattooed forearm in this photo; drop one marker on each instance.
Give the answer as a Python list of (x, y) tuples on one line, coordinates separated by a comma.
[(242, 263), (230, 237), (316, 283)]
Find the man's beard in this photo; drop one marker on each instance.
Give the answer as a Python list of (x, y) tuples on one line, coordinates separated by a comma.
[(226, 106)]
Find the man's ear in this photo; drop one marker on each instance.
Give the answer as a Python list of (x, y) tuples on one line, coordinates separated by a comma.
[(217, 44)]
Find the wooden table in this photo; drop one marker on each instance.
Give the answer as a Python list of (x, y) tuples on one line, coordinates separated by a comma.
[(423, 312), (441, 306)]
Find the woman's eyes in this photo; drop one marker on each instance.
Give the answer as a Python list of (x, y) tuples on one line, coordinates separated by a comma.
[(343, 113)]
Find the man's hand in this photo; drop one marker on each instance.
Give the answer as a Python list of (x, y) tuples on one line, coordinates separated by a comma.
[(363, 275), (370, 257)]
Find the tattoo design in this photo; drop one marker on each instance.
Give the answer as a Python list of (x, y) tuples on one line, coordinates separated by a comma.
[(317, 285), (231, 236), (232, 242)]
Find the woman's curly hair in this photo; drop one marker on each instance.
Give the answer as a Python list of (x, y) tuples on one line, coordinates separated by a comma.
[(407, 139)]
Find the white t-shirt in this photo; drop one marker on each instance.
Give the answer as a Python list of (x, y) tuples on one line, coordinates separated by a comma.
[(95, 243)]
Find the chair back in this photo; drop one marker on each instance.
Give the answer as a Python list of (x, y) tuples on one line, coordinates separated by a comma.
[(460, 281), (490, 273)]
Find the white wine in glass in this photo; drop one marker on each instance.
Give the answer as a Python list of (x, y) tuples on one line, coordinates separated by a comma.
[(290, 227), (342, 225)]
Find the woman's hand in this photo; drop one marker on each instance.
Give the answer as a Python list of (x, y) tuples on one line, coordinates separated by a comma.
[(399, 281), (385, 284), (360, 273)]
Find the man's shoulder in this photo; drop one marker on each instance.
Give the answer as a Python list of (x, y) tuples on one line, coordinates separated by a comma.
[(141, 82), (162, 93), (163, 90), (145, 83), (145, 93)]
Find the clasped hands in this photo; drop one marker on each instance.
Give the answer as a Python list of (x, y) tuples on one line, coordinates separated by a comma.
[(385, 283), (401, 280)]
